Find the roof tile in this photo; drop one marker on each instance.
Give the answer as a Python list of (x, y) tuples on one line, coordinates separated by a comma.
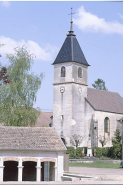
[(106, 101), (71, 52), (40, 138)]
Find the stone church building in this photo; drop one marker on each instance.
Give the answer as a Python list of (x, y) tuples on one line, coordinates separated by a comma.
[(77, 109)]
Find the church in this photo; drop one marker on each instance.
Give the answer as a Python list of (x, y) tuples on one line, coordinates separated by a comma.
[(79, 111)]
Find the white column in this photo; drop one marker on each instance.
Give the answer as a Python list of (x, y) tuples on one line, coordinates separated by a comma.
[(46, 171), (1, 170), (55, 168), (38, 173), (20, 170), (60, 162)]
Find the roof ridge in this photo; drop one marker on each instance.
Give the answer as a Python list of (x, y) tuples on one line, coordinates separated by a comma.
[(105, 101), (33, 127), (102, 90)]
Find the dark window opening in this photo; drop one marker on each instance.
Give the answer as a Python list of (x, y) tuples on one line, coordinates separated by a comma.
[(107, 125), (10, 171), (29, 171), (80, 72), (63, 71)]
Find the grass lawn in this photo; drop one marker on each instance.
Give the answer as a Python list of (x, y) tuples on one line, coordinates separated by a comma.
[(97, 164)]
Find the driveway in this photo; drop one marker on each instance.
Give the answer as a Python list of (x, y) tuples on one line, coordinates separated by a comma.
[(101, 173)]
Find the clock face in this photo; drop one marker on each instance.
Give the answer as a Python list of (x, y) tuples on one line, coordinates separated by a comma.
[(80, 90), (62, 89)]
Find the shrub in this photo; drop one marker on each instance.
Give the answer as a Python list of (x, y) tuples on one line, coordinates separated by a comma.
[(105, 151), (79, 152), (85, 150), (116, 152), (72, 152), (98, 152)]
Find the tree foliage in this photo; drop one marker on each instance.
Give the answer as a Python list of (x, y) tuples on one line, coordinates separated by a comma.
[(18, 96), (116, 141), (76, 140), (3, 77), (103, 140), (99, 84)]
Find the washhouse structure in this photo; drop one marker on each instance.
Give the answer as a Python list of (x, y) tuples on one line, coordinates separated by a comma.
[(30, 154)]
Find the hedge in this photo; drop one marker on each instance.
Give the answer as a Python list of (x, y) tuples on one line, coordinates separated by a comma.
[(79, 152), (72, 152), (76, 153), (112, 152)]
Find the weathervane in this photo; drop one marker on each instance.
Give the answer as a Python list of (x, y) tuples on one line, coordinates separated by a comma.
[(71, 14), (71, 29)]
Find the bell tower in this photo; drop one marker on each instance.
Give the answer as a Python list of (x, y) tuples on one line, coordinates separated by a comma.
[(70, 90)]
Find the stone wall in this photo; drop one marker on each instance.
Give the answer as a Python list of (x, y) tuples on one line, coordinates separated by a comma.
[(68, 106), (113, 125)]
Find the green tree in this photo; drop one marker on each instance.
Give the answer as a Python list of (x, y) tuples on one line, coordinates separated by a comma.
[(18, 96), (116, 141), (99, 84)]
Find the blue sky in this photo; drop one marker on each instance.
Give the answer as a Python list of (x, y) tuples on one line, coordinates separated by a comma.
[(42, 27)]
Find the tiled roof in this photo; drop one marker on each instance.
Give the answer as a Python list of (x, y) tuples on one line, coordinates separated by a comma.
[(106, 101), (71, 51), (30, 138), (44, 119)]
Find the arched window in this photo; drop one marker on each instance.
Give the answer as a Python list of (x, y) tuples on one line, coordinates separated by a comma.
[(80, 72), (106, 125), (63, 71)]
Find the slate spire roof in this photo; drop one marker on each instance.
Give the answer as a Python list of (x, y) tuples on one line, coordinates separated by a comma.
[(71, 50)]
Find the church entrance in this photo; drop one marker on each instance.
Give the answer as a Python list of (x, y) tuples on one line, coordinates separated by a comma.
[(10, 172), (29, 171)]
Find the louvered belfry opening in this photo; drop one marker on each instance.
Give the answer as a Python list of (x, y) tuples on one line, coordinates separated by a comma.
[(29, 171), (10, 171)]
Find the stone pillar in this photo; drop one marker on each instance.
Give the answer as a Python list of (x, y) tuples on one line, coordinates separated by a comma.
[(38, 173), (55, 168), (89, 149), (20, 170), (1, 170), (46, 171)]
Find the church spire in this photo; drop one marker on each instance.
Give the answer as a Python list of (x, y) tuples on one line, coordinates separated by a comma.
[(71, 32), (71, 50)]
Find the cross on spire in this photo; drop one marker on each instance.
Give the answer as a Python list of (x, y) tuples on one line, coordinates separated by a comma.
[(71, 27), (71, 14)]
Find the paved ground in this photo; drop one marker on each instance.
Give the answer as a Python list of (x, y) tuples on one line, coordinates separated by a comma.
[(103, 174), (95, 171)]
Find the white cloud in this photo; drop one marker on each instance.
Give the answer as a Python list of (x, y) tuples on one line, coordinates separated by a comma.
[(44, 54), (92, 23), (5, 4), (121, 16)]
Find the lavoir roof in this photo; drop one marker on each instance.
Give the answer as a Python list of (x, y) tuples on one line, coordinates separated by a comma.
[(30, 138)]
